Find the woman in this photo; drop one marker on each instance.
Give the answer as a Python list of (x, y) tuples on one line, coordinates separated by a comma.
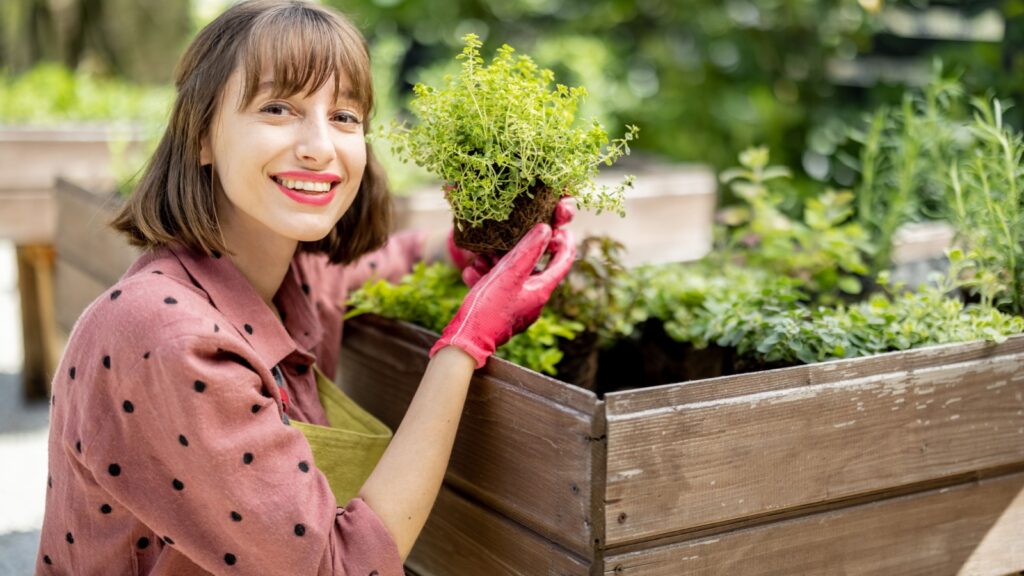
[(175, 442)]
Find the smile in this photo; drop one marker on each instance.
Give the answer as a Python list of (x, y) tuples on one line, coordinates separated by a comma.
[(306, 191)]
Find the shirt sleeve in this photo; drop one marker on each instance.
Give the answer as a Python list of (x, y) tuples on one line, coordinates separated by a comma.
[(396, 259), (195, 447)]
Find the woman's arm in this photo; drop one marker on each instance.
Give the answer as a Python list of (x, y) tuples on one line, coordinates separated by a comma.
[(404, 485)]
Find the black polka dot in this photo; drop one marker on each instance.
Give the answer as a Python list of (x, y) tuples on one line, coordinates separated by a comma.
[(178, 485), (71, 372), (236, 516), (106, 362), (300, 530), (304, 466), (216, 254), (168, 540), (170, 300), (182, 440), (106, 509), (143, 543), (78, 446), (373, 264), (145, 356), (216, 328), (255, 408), (157, 272), (374, 573), (69, 538), (128, 406), (199, 385), (305, 288), (248, 328), (47, 561), (247, 458), (49, 481), (301, 369), (115, 294), (230, 559), (114, 469)]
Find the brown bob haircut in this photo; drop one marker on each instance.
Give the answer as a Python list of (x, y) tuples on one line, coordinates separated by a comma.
[(305, 45)]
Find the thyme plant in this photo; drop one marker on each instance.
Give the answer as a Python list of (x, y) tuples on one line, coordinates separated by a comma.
[(495, 132)]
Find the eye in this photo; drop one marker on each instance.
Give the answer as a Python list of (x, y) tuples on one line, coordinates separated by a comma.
[(346, 118), (275, 109)]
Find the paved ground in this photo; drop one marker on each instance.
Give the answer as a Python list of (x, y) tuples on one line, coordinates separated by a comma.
[(23, 430)]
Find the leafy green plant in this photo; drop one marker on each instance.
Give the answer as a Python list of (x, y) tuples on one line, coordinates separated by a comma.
[(987, 211), (590, 294), (496, 132), (902, 158), (431, 295), (50, 94), (824, 249)]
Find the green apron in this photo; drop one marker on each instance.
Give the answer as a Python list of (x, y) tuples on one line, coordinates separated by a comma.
[(349, 448)]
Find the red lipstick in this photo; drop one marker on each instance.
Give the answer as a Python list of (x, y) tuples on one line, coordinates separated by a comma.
[(305, 196)]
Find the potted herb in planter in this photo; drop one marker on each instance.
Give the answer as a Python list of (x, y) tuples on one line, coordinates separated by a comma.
[(508, 147)]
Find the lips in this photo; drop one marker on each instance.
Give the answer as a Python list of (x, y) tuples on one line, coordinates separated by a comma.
[(296, 190)]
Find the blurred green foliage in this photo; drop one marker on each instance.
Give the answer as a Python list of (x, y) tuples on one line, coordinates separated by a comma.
[(49, 94)]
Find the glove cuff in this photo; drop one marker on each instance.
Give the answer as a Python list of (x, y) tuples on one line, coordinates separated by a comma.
[(478, 350)]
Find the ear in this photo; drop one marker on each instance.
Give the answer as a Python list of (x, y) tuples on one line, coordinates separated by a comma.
[(205, 151)]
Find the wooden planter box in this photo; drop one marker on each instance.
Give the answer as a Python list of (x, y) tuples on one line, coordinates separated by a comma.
[(31, 159), (902, 463), (91, 257), (669, 213)]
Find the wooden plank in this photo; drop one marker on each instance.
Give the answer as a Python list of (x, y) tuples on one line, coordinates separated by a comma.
[(833, 371), (84, 236), (464, 538), (684, 466), (28, 216), (970, 529), (41, 344), (74, 289), (524, 445)]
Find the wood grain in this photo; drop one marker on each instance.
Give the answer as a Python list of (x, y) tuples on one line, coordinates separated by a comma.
[(462, 538), (28, 216), (84, 236), (680, 465), (973, 529), (524, 446), (74, 289)]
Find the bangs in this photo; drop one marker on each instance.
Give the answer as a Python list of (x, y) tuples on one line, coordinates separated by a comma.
[(304, 46)]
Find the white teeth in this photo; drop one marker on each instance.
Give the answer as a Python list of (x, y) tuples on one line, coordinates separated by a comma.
[(305, 185)]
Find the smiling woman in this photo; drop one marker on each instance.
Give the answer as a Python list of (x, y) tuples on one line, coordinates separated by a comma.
[(194, 421)]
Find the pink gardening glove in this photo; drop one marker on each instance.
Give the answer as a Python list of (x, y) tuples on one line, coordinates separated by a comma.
[(509, 298), (474, 265)]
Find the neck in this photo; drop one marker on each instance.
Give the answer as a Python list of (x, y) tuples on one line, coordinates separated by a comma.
[(262, 258)]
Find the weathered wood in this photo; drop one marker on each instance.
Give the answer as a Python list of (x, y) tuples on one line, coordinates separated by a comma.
[(463, 538), (42, 346), (75, 289), (970, 529), (84, 236), (678, 463), (28, 216), (524, 446)]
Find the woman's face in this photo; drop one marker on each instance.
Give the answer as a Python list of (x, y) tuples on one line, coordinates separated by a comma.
[(289, 168)]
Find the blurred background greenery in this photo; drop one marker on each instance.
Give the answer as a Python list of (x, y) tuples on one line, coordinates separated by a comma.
[(703, 79)]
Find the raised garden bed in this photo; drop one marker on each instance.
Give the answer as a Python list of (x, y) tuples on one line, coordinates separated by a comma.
[(902, 463)]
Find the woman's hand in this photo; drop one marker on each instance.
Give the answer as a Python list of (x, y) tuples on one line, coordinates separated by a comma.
[(474, 265), (510, 296)]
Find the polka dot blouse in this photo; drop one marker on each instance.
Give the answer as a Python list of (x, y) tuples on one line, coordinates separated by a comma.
[(170, 450)]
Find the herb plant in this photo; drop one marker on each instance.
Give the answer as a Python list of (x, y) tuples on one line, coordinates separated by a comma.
[(431, 295), (825, 249), (496, 132)]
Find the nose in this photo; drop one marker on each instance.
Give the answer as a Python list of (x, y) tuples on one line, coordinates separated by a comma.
[(314, 145)]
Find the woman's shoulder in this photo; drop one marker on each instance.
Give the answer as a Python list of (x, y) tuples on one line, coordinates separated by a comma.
[(154, 304)]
